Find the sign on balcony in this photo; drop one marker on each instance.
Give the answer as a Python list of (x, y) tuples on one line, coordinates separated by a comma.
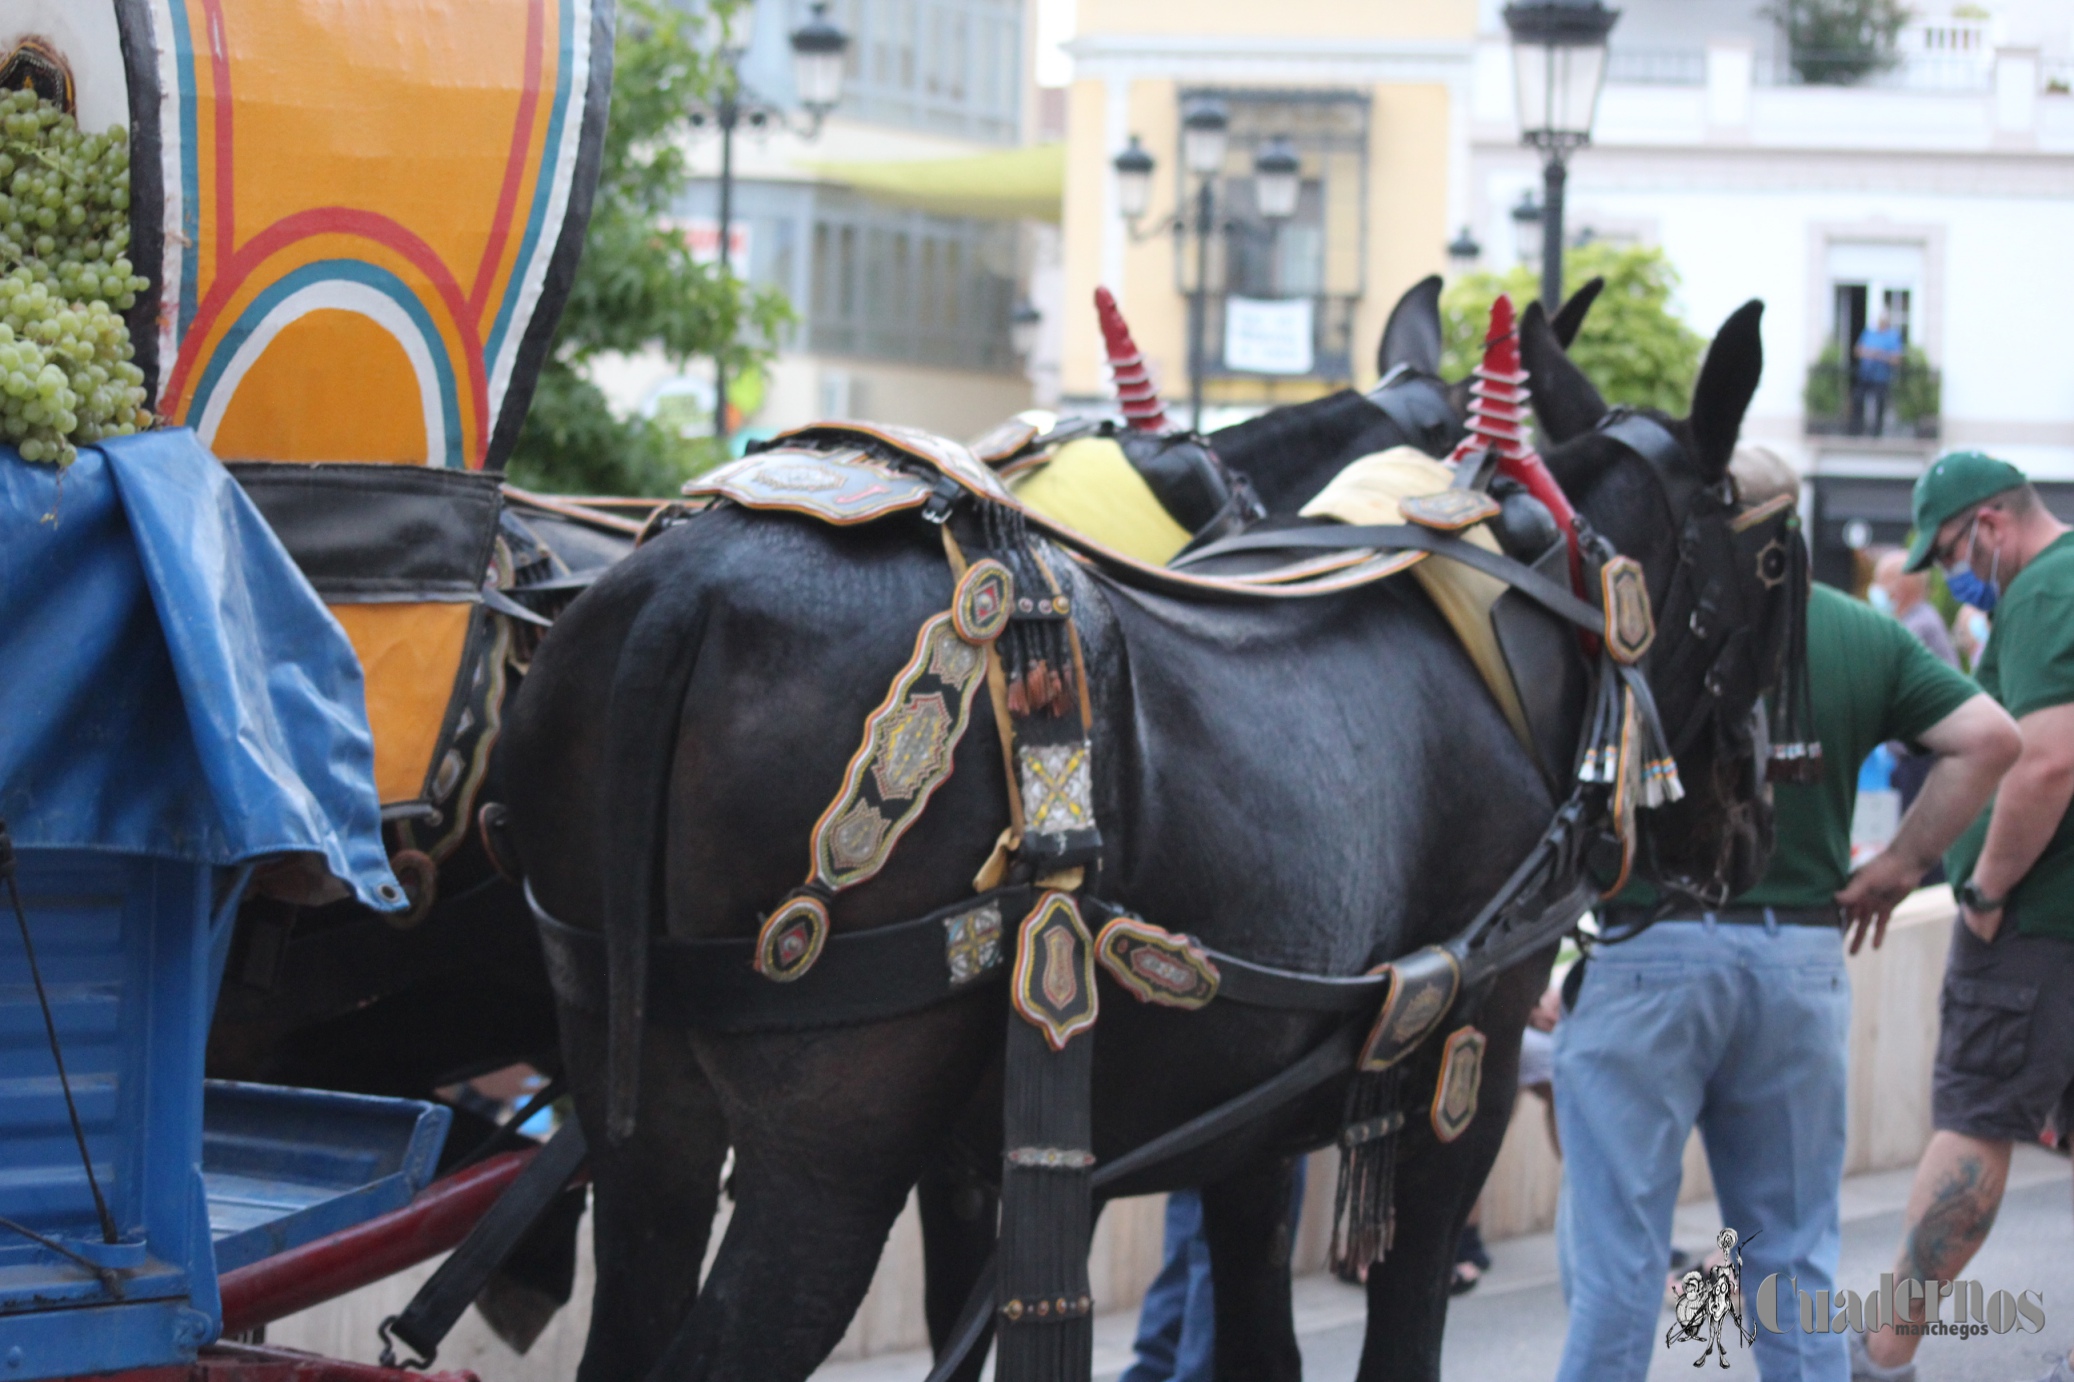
[(1268, 335)]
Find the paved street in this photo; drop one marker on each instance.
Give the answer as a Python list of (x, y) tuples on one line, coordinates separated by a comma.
[(1510, 1329)]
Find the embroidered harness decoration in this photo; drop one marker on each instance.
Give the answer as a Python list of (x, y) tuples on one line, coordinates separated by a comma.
[(1037, 919)]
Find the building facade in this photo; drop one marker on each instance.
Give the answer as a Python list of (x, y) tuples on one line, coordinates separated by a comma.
[(1939, 192), (1372, 96), (903, 307)]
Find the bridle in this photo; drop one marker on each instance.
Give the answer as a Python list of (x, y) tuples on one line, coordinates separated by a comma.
[(1418, 404), (1735, 597)]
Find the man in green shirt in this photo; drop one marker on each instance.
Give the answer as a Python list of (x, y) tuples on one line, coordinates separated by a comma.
[(1736, 1020), (2005, 1050)]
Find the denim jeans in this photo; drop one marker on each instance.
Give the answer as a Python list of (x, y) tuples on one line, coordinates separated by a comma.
[(1740, 1029), (1177, 1326)]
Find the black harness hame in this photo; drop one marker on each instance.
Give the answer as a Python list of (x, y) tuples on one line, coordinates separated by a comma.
[(1036, 920)]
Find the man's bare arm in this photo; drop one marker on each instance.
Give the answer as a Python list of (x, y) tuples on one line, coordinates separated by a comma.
[(1975, 745), (2033, 798)]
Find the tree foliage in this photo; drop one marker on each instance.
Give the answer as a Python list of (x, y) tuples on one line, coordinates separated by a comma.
[(1633, 347), (638, 287), (1838, 42)]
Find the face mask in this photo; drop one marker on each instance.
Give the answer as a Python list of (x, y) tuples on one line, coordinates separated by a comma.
[(1968, 588), (1880, 599)]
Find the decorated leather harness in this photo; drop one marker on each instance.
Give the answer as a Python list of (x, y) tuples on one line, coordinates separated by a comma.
[(1033, 918)]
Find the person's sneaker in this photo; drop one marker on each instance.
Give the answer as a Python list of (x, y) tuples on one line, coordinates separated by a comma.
[(2060, 1371), (1863, 1369)]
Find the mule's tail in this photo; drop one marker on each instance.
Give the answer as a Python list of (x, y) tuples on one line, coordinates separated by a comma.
[(641, 724)]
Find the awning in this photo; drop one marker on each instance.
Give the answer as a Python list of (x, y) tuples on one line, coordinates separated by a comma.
[(1014, 184)]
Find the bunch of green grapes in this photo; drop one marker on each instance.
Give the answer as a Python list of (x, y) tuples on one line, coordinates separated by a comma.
[(65, 355)]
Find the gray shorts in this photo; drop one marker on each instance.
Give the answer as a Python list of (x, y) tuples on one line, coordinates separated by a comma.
[(2005, 1044)]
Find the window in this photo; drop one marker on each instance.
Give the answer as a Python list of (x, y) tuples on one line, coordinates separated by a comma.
[(1319, 253), (932, 290), (947, 66)]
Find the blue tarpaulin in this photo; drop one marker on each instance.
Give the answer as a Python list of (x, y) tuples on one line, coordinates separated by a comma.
[(170, 684)]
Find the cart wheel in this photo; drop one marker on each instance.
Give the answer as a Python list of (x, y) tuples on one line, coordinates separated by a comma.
[(420, 878)]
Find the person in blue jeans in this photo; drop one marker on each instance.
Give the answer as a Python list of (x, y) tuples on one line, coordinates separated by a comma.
[(1736, 1020), (1177, 1325), (1873, 361)]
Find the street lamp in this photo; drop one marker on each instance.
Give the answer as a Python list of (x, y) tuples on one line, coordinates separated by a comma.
[(819, 49), (1529, 230), (1558, 66), (1205, 144), (1463, 249)]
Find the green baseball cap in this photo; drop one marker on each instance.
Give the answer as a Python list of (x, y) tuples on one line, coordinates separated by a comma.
[(1954, 483)]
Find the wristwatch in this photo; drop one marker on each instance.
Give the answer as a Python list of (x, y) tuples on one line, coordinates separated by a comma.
[(1973, 899)]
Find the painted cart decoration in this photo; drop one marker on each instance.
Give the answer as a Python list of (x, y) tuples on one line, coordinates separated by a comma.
[(359, 223)]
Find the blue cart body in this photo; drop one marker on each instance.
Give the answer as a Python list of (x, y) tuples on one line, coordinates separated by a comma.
[(149, 756)]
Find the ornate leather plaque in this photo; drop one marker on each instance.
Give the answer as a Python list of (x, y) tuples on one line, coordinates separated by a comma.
[(1053, 986), (1461, 1079), (909, 742), (1449, 510), (983, 601), (1630, 627), (1422, 989), (791, 939), (841, 486), (1156, 965)]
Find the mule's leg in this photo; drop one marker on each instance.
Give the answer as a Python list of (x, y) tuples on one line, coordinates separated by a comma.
[(653, 1197), (1437, 1186), (1246, 1222), (830, 1130), (959, 1211)]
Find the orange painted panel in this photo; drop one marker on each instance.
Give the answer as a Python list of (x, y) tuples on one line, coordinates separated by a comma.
[(410, 654), (288, 412)]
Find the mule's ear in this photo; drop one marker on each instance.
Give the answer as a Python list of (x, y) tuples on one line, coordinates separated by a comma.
[(1570, 316), (1565, 402), (1412, 336), (1728, 378)]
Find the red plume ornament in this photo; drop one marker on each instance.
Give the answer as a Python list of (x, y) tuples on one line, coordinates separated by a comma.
[(1141, 406), (1498, 419)]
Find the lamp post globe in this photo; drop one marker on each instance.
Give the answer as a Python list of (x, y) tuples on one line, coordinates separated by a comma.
[(1277, 180), (819, 48), (1133, 180), (1205, 135), (1558, 68), (1463, 249)]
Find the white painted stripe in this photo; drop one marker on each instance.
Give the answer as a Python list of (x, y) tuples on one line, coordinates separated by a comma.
[(339, 295), (175, 198), (534, 274)]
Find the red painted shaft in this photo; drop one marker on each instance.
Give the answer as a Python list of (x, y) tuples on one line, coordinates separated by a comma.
[(435, 1222), (247, 1363), (1141, 406)]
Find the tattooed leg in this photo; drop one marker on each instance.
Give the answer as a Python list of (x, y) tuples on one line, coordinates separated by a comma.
[(1957, 1191)]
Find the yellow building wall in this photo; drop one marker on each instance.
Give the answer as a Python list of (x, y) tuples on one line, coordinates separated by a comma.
[(1409, 153)]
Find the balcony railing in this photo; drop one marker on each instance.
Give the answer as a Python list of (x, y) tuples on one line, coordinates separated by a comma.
[(1909, 406)]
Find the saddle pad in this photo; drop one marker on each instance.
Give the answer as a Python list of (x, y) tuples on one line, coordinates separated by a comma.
[(1368, 491), (1090, 487)]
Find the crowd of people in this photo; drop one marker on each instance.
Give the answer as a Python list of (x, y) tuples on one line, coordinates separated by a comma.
[(1735, 1021)]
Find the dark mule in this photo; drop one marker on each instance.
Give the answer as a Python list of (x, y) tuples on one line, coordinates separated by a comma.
[(1317, 785)]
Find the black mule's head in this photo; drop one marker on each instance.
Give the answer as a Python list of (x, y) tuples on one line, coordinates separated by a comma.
[(1719, 582)]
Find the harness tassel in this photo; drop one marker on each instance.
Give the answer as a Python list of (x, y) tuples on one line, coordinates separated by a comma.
[(1364, 1211)]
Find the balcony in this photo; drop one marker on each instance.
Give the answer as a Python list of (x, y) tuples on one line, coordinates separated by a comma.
[(1914, 401)]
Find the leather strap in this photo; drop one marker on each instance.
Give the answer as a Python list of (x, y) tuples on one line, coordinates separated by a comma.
[(1260, 986), (1340, 537), (1827, 918), (862, 976), (1416, 404)]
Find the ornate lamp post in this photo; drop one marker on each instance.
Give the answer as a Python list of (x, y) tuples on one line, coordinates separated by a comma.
[(818, 49), (1528, 229), (1462, 251), (1558, 67), (1205, 140)]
